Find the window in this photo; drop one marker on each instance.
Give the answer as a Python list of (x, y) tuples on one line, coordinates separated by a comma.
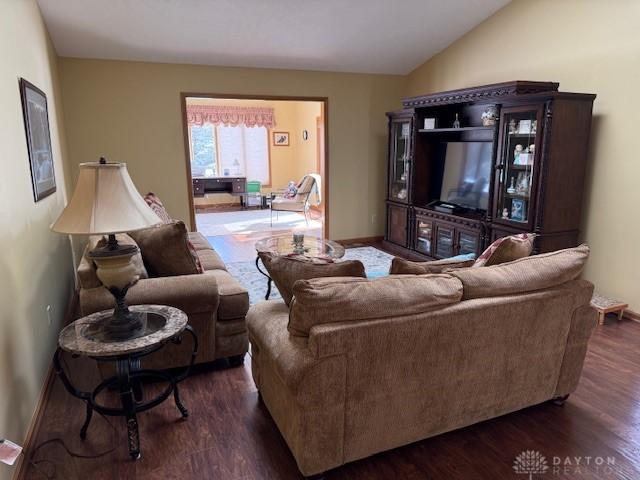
[(230, 151), (204, 158)]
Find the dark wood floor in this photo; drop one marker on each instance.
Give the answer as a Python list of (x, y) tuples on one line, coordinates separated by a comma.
[(230, 436)]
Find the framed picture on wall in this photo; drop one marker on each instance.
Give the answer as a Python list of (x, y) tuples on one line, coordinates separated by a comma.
[(281, 139), (36, 125)]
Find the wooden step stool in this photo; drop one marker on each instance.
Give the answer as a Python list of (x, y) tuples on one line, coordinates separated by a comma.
[(606, 305)]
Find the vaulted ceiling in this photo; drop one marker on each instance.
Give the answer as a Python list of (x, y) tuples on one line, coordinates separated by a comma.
[(368, 36)]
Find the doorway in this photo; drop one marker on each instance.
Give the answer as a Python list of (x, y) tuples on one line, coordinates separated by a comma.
[(256, 167)]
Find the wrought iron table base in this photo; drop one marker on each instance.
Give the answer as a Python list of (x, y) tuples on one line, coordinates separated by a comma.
[(266, 297), (128, 381)]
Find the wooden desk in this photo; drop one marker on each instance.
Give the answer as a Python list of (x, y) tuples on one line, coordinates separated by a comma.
[(230, 185)]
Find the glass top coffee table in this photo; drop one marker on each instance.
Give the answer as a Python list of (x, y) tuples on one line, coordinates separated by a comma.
[(298, 245)]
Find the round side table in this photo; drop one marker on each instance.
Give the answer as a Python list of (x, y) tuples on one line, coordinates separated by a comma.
[(86, 337)]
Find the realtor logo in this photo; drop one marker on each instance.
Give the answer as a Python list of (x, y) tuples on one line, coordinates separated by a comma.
[(530, 462)]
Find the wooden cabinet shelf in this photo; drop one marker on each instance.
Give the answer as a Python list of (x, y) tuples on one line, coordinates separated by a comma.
[(517, 195), (449, 130)]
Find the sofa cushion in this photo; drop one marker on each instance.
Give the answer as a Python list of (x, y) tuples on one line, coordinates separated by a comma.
[(285, 271), (506, 249), (524, 275), (156, 205), (400, 266), (199, 241), (210, 260), (234, 298), (328, 300), (165, 250)]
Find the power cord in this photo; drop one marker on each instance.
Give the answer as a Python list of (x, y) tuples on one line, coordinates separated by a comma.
[(38, 464)]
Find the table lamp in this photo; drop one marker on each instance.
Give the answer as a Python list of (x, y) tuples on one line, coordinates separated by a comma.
[(106, 202)]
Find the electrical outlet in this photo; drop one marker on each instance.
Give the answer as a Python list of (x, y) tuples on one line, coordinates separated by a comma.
[(374, 219), (48, 309)]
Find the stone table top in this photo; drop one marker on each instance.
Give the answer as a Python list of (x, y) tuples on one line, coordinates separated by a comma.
[(84, 336)]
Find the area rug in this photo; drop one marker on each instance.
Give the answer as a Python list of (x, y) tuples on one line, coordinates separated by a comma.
[(376, 264)]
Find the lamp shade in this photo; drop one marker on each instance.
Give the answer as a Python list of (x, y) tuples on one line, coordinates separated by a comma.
[(105, 201)]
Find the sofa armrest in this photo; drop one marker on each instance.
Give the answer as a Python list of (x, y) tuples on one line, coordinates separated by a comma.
[(583, 322), (191, 293), (87, 273)]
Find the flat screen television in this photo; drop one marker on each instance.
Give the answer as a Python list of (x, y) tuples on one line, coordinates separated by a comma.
[(466, 174)]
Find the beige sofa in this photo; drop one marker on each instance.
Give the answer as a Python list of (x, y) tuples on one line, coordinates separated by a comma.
[(361, 366), (214, 301)]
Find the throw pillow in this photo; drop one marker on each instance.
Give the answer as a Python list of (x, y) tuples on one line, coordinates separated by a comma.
[(156, 205), (328, 300), (506, 249), (528, 274), (166, 250), (285, 271), (400, 266)]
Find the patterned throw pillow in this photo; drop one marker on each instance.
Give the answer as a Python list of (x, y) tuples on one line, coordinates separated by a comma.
[(506, 249), (156, 205)]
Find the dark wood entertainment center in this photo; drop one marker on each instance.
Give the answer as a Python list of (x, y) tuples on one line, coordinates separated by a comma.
[(534, 148)]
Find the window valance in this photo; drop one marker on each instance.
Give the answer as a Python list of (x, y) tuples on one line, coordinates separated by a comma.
[(230, 116)]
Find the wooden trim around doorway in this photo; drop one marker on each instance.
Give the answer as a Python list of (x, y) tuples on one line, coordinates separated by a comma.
[(325, 175)]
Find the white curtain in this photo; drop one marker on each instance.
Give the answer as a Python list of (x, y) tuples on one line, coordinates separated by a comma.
[(244, 151)]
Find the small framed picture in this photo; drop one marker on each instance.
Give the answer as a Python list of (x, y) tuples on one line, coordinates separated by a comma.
[(281, 139), (429, 123), (524, 126), (36, 125), (518, 210)]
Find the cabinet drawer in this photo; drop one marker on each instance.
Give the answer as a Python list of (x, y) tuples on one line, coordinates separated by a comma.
[(239, 186), (198, 187)]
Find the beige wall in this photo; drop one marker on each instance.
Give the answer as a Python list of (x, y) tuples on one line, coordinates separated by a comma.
[(306, 150), (287, 162), (130, 111), (35, 264), (588, 46)]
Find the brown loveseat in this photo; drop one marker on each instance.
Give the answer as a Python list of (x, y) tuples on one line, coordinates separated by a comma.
[(361, 366), (214, 301)]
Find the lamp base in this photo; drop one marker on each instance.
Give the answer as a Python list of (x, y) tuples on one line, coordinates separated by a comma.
[(117, 273), (123, 324)]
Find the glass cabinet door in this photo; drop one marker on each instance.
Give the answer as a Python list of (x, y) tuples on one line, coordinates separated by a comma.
[(467, 242), (517, 164), (424, 232), (400, 160), (444, 242)]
